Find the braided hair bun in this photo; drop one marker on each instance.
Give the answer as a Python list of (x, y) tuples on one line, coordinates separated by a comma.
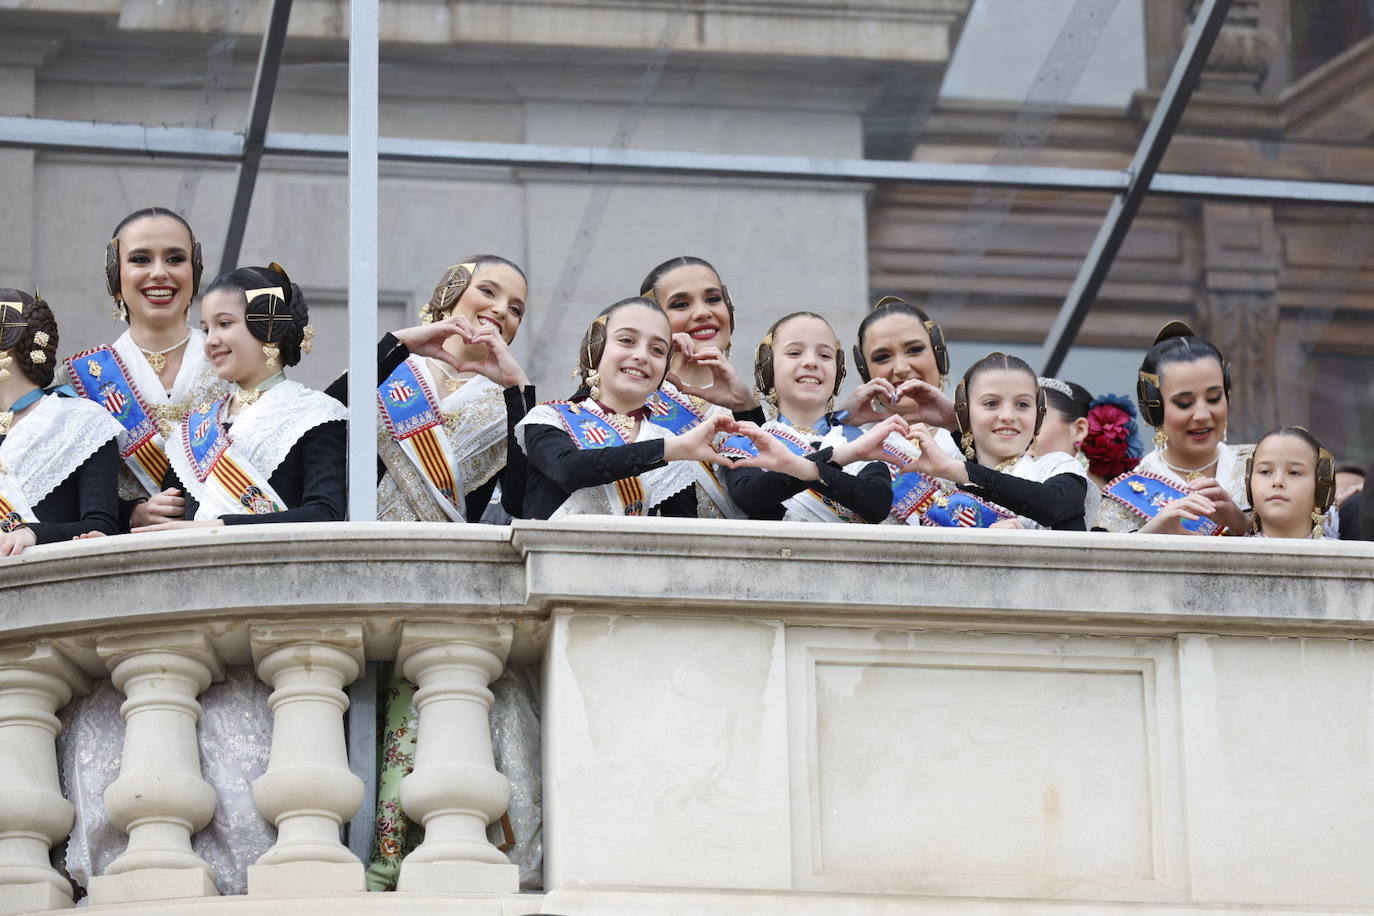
[(34, 342)]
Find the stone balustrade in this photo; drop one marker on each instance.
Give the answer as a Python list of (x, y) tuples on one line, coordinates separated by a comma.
[(737, 717)]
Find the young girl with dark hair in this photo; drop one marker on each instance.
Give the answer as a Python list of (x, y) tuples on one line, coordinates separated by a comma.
[(1000, 408), (58, 456), (1291, 482), (598, 453), (806, 465), (1193, 482), (154, 372), (273, 450)]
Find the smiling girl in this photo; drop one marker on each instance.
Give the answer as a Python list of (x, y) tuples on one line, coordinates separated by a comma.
[(1291, 482), (1183, 390), (273, 450), (1000, 409), (598, 453), (151, 376), (450, 396), (806, 465)]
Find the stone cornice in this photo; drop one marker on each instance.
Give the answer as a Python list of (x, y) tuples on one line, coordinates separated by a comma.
[(383, 574)]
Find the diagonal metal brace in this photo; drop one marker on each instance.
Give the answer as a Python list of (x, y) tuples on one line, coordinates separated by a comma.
[(1124, 207), (264, 88)]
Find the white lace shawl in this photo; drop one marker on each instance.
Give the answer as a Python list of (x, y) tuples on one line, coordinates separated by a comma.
[(52, 440), (266, 431), (659, 484)]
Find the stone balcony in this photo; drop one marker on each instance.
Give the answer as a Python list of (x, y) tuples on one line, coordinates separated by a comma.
[(737, 717)]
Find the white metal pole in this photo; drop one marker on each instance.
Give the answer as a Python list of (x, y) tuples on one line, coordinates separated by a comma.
[(362, 259)]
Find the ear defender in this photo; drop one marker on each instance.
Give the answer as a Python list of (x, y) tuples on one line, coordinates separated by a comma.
[(763, 365), (197, 266), (1326, 480)]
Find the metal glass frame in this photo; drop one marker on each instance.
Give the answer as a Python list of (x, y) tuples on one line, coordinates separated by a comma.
[(363, 149)]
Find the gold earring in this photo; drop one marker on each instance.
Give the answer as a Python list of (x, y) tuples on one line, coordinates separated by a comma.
[(308, 338), (1255, 522), (966, 443), (272, 352), (121, 311), (594, 384), (5, 362), (1161, 440), (1318, 523)]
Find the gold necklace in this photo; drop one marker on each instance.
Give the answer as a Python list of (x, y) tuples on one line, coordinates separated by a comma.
[(158, 358), (1007, 465), (451, 382), (1188, 474), (247, 397)]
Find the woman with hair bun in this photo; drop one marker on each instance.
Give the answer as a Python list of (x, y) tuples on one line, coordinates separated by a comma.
[(1193, 482), (58, 457), (273, 450), (152, 375)]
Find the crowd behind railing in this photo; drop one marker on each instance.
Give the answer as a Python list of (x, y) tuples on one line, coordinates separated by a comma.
[(172, 426)]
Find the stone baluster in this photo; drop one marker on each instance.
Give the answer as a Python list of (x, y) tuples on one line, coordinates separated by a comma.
[(160, 798), (455, 790), (308, 790), (35, 681)]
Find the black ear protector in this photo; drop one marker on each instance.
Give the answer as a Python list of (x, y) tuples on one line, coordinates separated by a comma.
[(933, 330), (1148, 396), (112, 268), (961, 403)]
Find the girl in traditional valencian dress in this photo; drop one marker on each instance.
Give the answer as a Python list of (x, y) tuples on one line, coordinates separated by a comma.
[(152, 375), (1291, 482), (58, 456), (598, 453), (1065, 429), (1000, 408), (1193, 482), (450, 396), (701, 379), (273, 450), (817, 468)]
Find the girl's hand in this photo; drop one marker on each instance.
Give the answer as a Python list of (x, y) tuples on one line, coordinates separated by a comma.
[(12, 543), (933, 461), (1011, 524), (1184, 509), (177, 525), (932, 405), (499, 364), (870, 402), (88, 534), (726, 389), (428, 339), (869, 446), (1227, 512), (697, 444), (161, 507), (773, 455)]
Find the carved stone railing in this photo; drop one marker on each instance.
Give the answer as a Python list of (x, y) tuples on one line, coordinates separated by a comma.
[(737, 717)]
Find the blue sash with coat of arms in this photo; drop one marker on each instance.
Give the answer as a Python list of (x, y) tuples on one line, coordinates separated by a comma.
[(413, 419), (99, 375), (239, 488), (1145, 494), (589, 431)]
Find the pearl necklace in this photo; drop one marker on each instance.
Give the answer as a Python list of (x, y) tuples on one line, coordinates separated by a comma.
[(158, 358), (1189, 474)]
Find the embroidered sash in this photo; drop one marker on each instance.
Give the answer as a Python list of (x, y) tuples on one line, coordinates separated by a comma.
[(678, 413), (15, 511), (589, 430), (100, 376), (223, 481), (808, 505), (1145, 494), (412, 417)]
